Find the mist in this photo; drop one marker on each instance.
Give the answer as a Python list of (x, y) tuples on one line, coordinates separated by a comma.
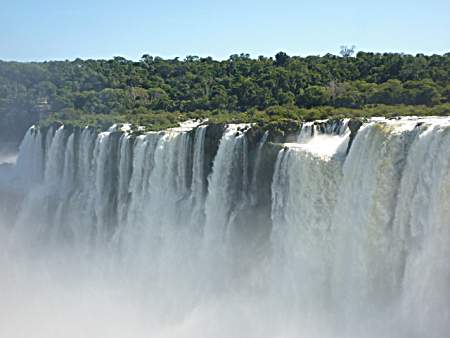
[(8, 154), (202, 231)]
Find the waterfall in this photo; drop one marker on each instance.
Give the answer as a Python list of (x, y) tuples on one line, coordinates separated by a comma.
[(325, 127), (420, 223), (214, 231), (302, 213), (125, 169), (219, 204), (198, 178), (29, 165), (256, 166)]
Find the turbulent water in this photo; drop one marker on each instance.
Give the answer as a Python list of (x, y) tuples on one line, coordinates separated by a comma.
[(211, 231)]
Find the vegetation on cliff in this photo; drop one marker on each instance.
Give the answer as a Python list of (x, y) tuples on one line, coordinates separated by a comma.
[(158, 93)]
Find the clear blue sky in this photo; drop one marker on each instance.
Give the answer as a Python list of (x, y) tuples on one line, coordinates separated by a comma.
[(60, 29)]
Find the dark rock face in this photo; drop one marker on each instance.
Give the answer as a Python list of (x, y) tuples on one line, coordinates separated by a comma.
[(213, 135), (354, 126), (282, 131)]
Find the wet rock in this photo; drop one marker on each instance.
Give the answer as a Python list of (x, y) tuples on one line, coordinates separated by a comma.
[(354, 126)]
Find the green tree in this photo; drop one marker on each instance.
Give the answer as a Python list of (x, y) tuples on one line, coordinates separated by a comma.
[(316, 96)]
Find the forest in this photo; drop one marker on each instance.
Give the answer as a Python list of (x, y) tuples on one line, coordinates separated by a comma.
[(158, 92)]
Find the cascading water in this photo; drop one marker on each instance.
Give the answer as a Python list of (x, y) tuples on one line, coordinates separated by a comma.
[(200, 231)]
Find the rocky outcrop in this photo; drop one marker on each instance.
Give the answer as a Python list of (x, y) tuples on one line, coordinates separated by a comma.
[(213, 135), (354, 126), (282, 131)]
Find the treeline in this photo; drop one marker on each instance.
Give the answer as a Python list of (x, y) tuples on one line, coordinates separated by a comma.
[(238, 85)]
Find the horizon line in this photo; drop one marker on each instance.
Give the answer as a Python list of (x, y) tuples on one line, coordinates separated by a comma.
[(213, 57)]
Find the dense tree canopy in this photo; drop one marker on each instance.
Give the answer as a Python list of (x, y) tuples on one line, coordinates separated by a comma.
[(239, 85)]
